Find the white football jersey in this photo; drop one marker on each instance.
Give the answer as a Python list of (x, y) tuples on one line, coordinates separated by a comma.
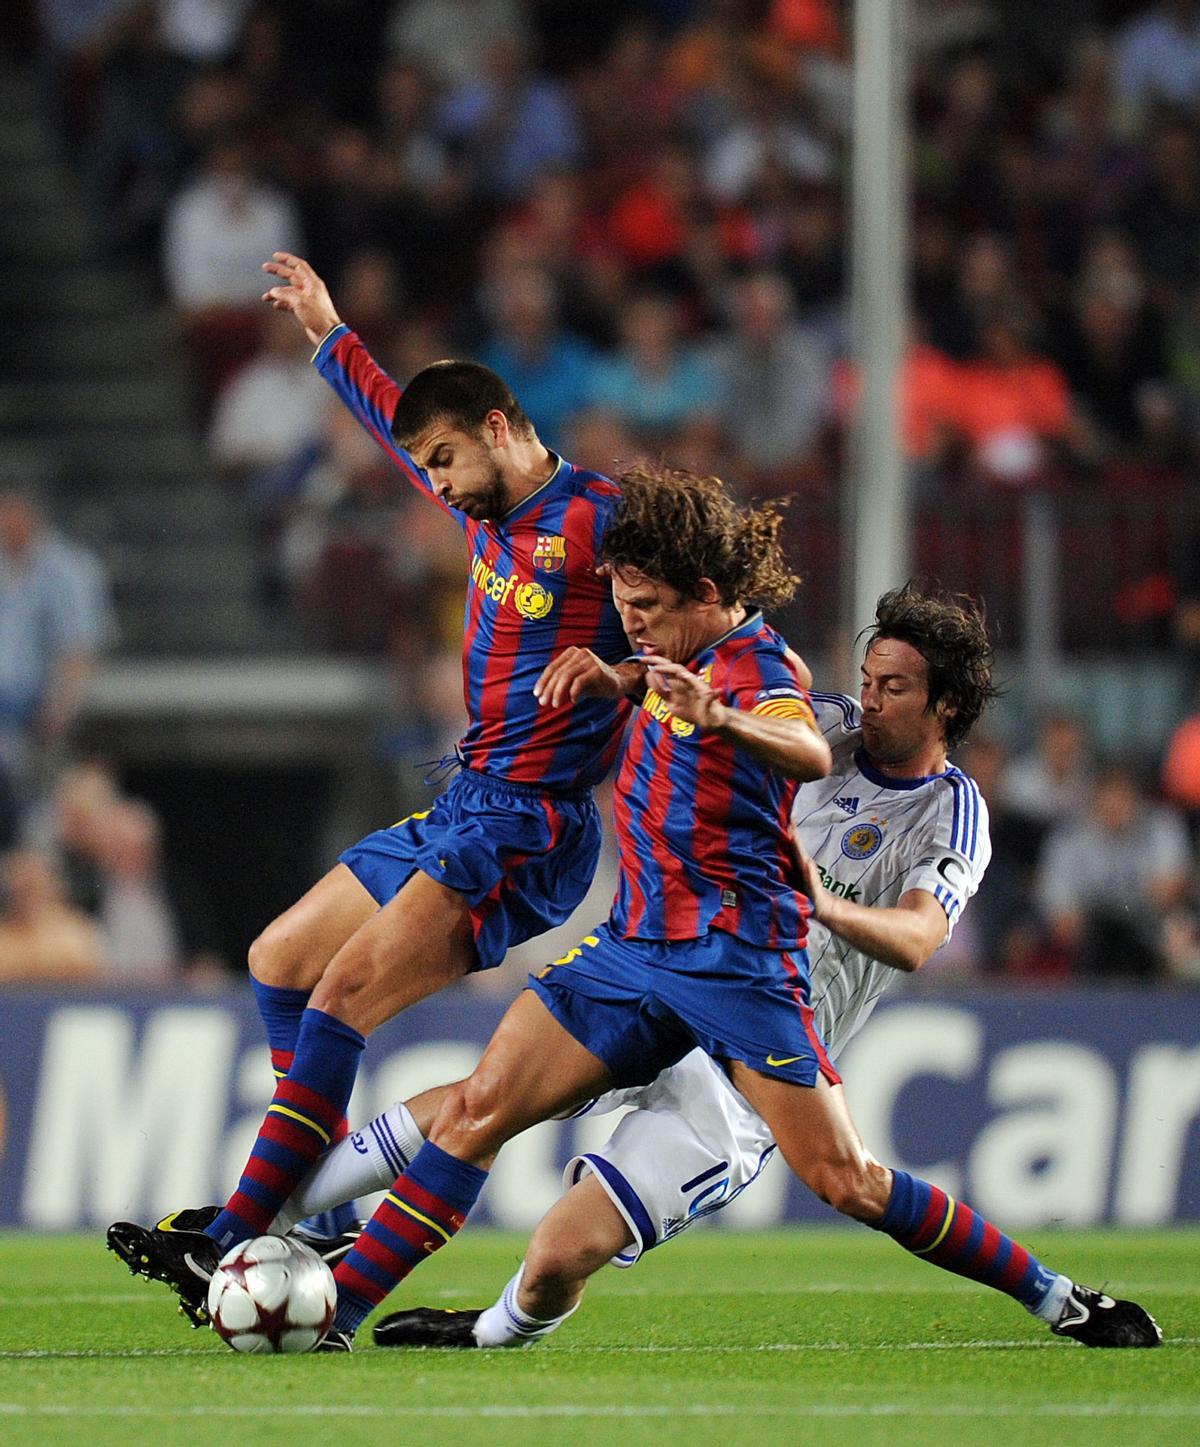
[(693, 1143), (874, 838)]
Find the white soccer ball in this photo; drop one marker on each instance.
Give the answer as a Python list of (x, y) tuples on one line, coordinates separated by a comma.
[(272, 1294)]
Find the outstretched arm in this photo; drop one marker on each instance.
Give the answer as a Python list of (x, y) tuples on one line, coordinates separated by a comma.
[(365, 388)]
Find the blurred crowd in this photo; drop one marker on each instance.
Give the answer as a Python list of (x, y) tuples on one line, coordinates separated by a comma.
[(85, 893), (1094, 865), (87, 898), (636, 211)]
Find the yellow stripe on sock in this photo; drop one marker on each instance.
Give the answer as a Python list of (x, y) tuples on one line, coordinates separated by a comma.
[(412, 1211), (303, 1119), (951, 1207)]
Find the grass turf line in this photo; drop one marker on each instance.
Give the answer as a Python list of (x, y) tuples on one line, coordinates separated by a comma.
[(718, 1338)]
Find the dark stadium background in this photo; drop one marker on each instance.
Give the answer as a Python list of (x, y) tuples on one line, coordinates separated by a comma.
[(676, 191)]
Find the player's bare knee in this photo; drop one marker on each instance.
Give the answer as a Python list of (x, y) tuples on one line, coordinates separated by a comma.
[(850, 1187), (271, 962), (448, 1128), (482, 1100), (471, 1122), (351, 990)]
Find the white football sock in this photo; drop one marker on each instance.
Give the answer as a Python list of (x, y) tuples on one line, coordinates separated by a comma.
[(506, 1325), (367, 1160), (1050, 1308)]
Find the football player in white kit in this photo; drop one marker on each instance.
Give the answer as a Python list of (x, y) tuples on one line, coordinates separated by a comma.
[(891, 846)]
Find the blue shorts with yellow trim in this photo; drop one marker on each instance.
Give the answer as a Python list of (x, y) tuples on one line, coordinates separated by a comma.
[(641, 1005), (521, 858)]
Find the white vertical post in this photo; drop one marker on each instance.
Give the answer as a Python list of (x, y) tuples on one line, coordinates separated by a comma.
[(876, 524), (1041, 622)]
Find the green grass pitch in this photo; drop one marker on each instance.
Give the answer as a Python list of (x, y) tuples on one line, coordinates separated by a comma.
[(805, 1336)]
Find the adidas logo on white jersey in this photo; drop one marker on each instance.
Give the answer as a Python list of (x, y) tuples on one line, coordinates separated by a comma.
[(848, 802)]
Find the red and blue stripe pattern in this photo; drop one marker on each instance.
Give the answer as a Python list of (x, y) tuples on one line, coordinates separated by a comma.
[(703, 827), (532, 591), (422, 1212), (933, 1225), (302, 1121), (282, 1011), (798, 984), (281, 1064)]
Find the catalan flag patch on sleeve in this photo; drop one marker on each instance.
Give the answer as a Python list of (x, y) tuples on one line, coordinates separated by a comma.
[(786, 706)]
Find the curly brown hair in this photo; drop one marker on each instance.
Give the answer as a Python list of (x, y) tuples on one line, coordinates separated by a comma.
[(949, 631), (677, 528)]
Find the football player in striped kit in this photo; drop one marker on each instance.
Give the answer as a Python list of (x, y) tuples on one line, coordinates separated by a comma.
[(892, 844), (510, 848)]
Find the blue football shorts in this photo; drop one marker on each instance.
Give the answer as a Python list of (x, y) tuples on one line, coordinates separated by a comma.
[(641, 1005), (521, 858)]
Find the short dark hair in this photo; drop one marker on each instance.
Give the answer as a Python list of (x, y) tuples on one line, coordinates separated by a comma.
[(460, 393), (677, 528), (949, 631)]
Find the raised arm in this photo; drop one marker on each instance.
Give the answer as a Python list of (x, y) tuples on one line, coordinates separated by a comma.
[(340, 357), (303, 294)]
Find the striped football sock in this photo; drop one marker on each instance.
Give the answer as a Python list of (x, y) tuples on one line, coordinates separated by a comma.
[(425, 1208), (281, 1012), (301, 1121), (943, 1231), (369, 1160)]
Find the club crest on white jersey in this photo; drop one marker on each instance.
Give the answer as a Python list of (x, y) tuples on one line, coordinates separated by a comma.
[(873, 839), (860, 841)]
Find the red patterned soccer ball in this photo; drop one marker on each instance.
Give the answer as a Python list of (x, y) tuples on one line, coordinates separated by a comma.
[(271, 1294)]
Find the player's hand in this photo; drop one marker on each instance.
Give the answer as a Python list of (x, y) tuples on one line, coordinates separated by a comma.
[(810, 877), (577, 673), (303, 293), (690, 697)]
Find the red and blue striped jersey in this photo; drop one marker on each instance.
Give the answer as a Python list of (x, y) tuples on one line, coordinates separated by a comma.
[(532, 591), (702, 826)]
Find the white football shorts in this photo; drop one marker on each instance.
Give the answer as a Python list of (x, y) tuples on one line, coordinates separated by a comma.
[(690, 1145)]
